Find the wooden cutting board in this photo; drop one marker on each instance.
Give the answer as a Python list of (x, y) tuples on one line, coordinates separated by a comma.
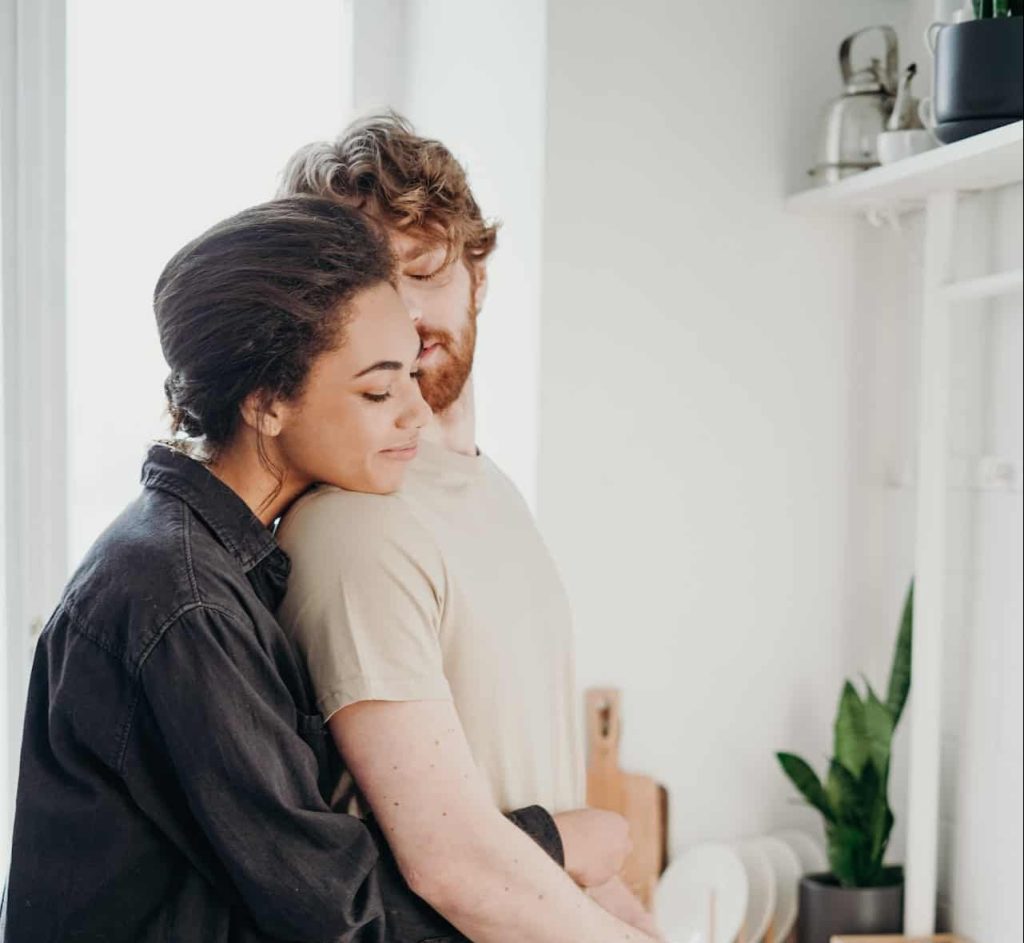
[(639, 799)]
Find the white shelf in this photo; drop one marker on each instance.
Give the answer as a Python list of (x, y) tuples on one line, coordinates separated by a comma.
[(983, 162), (987, 286)]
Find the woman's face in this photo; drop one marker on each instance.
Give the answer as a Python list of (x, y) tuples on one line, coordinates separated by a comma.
[(357, 423)]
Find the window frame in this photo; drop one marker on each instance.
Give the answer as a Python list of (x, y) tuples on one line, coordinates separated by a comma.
[(32, 177)]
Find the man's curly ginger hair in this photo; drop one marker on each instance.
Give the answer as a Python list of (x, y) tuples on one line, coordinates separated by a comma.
[(381, 167)]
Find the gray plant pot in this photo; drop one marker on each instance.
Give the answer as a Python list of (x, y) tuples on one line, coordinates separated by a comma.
[(978, 70), (827, 909)]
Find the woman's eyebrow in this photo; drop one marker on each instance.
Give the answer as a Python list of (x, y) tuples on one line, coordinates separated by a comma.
[(380, 365)]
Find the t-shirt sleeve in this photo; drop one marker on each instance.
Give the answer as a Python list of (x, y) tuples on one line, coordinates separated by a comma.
[(365, 598)]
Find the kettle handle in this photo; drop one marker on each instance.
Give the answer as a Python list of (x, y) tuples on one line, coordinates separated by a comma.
[(891, 56), (931, 36)]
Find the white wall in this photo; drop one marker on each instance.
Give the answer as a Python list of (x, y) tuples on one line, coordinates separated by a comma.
[(981, 830), (699, 387), (474, 78)]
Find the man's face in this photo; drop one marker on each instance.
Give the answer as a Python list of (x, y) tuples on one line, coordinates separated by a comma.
[(443, 301)]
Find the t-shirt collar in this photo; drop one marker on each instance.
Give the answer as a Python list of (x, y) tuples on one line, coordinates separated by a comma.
[(441, 462)]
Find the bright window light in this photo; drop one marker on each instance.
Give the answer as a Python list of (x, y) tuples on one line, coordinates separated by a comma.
[(179, 114)]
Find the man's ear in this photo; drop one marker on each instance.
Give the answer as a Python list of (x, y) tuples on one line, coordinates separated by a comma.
[(479, 272), (261, 414)]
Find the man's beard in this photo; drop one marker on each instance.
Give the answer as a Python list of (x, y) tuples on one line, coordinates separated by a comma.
[(442, 384)]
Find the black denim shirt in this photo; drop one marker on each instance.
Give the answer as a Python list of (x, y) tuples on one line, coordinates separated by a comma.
[(174, 773)]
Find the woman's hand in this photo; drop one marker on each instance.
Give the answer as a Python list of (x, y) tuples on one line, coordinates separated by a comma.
[(596, 844), (620, 901)]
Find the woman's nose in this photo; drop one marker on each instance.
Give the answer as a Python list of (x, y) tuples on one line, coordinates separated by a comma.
[(417, 413)]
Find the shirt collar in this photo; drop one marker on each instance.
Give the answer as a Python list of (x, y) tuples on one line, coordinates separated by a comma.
[(448, 467), (224, 512)]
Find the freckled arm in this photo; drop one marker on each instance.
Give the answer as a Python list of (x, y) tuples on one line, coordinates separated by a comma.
[(456, 850)]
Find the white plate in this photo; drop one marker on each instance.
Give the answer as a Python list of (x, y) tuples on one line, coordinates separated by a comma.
[(704, 882), (812, 855), (761, 898), (788, 871)]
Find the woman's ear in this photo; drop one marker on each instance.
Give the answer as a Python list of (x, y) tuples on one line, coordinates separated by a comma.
[(479, 272), (263, 415)]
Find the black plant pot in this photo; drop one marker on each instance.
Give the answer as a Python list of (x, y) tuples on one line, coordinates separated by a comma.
[(978, 71), (827, 909)]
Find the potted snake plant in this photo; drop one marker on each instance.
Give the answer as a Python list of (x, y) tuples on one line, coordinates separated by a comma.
[(861, 894), (978, 70)]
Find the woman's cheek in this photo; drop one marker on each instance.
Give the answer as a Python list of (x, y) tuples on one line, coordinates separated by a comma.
[(374, 430)]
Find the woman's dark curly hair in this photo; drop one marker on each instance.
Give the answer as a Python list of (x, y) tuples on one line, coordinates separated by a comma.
[(247, 307)]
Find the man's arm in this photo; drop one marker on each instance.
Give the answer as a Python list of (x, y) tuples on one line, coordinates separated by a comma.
[(409, 917), (435, 809)]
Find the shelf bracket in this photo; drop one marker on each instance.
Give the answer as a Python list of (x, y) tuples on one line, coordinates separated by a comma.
[(883, 215)]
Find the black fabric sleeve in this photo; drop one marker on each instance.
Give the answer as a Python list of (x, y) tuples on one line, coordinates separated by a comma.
[(234, 741), (537, 822)]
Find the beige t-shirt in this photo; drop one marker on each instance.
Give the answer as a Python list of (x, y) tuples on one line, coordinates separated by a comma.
[(444, 590)]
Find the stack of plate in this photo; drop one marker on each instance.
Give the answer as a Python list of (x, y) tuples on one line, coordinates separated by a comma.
[(743, 892)]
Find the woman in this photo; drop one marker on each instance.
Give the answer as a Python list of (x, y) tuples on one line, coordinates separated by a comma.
[(173, 767)]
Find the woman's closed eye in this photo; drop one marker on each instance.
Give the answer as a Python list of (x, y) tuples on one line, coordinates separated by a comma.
[(386, 394)]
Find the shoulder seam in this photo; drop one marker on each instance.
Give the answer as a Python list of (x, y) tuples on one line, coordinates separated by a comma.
[(186, 537), (158, 637), (81, 629)]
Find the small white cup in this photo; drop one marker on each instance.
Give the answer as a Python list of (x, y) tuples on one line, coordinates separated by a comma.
[(926, 112), (897, 145)]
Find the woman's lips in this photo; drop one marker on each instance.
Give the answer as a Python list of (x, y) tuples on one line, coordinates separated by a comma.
[(402, 453)]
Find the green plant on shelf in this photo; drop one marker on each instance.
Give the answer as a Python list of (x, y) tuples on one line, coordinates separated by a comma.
[(994, 9), (854, 799)]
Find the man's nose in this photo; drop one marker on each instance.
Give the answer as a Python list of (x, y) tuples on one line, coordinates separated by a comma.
[(411, 303)]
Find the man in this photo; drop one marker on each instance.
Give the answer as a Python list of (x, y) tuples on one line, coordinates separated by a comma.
[(436, 614)]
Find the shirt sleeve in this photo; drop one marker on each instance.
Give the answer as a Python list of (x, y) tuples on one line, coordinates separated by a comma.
[(539, 824), (213, 699), (365, 599), (411, 918)]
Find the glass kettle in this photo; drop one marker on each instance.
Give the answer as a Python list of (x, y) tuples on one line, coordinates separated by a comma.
[(854, 120)]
